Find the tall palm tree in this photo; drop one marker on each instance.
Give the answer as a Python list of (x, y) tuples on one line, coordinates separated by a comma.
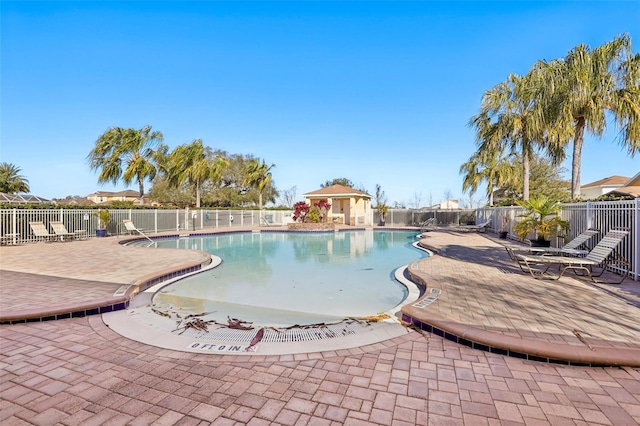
[(587, 85), (490, 166), (11, 181), (511, 119), (131, 149), (191, 163), (258, 175)]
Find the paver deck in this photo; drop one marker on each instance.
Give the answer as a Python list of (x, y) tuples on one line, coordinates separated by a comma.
[(78, 371)]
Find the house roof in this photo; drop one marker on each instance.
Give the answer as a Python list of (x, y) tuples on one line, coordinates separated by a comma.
[(631, 187), (634, 181), (125, 193), (634, 191), (608, 181), (337, 191)]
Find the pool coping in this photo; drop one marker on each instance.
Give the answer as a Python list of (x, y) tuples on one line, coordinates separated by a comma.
[(605, 354)]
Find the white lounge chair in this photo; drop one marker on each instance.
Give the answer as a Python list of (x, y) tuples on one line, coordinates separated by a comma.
[(603, 254), (480, 227), (61, 231), (40, 231), (132, 229), (429, 224), (575, 247)]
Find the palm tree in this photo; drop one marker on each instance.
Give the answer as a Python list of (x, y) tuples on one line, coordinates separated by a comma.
[(258, 175), (11, 181), (488, 165), (511, 119), (586, 85), (135, 150), (191, 163)]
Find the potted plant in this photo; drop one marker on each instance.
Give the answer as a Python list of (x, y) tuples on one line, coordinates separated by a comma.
[(382, 210), (103, 221), (541, 220), (504, 226)]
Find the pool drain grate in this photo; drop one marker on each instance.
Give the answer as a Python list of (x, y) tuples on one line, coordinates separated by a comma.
[(279, 336)]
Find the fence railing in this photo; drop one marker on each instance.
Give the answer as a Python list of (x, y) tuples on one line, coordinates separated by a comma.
[(605, 215), (14, 223)]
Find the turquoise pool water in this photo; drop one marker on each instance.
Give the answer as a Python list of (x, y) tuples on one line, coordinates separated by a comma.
[(281, 279)]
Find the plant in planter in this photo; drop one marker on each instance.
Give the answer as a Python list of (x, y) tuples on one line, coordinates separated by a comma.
[(382, 210), (311, 217), (541, 219), (103, 221), (504, 226)]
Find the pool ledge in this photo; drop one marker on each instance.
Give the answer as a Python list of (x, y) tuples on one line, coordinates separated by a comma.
[(118, 301), (544, 347)]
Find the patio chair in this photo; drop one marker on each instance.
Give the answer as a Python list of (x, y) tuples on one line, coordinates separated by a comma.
[(604, 254), (40, 231), (481, 227), (575, 247), (429, 224), (132, 229), (61, 231)]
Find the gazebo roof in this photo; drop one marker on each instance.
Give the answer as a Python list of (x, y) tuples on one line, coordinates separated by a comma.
[(336, 191)]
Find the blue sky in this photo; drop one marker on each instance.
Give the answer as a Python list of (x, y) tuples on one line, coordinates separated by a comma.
[(377, 92)]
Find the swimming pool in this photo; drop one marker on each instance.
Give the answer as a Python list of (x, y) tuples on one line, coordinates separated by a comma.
[(280, 279)]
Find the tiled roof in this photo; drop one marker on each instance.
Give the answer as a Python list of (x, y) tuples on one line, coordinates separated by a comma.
[(611, 180), (338, 191), (125, 193), (634, 191)]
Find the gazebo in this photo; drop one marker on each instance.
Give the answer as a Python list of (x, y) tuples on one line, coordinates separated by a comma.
[(348, 206)]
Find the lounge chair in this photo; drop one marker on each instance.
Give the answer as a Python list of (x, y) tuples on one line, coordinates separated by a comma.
[(41, 232), (604, 254), (429, 224), (132, 229), (481, 227), (61, 231), (575, 247)]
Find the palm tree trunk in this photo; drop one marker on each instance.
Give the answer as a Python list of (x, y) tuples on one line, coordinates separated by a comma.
[(141, 187), (198, 194), (525, 174), (577, 158), (490, 195), (260, 200)]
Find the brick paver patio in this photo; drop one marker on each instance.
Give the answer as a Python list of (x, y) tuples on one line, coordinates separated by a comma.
[(78, 371)]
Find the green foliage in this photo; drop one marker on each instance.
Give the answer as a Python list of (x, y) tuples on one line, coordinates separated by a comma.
[(258, 176), (338, 181), (119, 204), (313, 216), (541, 218), (10, 179), (614, 197), (382, 210), (103, 218), (545, 179), (127, 154)]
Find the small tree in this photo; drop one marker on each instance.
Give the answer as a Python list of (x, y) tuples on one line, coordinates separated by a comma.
[(301, 209), (542, 218)]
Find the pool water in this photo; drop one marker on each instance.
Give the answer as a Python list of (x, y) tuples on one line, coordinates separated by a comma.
[(281, 279)]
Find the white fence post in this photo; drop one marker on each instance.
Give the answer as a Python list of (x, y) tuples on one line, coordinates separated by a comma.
[(636, 244)]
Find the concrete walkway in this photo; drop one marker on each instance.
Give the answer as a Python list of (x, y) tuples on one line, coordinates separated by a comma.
[(78, 371)]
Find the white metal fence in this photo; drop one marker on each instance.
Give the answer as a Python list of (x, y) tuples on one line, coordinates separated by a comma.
[(14, 223)]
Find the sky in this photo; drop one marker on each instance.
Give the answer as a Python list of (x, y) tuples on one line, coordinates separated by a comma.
[(380, 93)]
